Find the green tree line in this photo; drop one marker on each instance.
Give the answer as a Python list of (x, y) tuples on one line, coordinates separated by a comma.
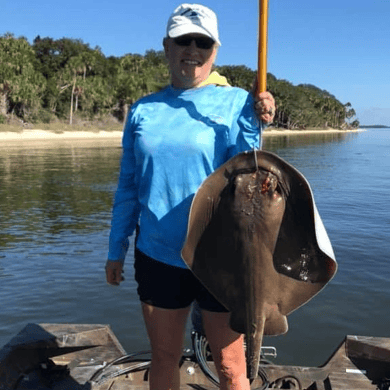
[(61, 79)]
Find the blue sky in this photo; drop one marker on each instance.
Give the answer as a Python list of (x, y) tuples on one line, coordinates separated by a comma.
[(342, 46)]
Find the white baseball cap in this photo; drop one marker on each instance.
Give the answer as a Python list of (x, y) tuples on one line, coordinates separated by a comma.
[(193, 18)]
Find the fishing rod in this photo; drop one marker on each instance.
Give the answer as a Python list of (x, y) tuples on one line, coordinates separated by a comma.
[(262, 49), (262, 55)]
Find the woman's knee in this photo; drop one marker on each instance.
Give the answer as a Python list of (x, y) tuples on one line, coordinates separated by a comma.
[(165, 355), (166, 331)]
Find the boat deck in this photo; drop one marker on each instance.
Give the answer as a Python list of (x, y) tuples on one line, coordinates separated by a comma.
[(66, 356)]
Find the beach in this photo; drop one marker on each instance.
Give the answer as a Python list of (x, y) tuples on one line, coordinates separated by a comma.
[(40, 135)]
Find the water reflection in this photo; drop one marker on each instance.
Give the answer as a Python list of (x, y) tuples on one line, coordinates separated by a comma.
[(316, 156), (46, 191), (291, 141), (49, 188)]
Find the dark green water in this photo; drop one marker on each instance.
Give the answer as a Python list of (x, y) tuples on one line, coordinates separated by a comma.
[(55, 206)]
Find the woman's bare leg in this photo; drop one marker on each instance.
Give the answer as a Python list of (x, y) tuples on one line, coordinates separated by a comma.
[(227, 348), (166, 330)]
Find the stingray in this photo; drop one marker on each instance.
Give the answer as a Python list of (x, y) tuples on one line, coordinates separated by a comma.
[(256, 241)]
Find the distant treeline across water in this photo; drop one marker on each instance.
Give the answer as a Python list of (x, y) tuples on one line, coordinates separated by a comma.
[(61, 79), (375, 127)]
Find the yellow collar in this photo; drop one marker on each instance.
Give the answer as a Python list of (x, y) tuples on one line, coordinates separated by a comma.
[(216, 79)]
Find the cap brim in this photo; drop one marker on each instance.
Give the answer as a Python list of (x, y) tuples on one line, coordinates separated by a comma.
[(190, 29)]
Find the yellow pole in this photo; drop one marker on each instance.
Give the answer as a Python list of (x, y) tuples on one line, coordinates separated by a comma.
[(262, 52)]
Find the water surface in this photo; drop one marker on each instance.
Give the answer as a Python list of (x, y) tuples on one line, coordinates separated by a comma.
[(55, 206)]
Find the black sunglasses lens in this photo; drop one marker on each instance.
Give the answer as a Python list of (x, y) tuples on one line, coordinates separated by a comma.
[(183, 41), (201, 42), (204, 43)]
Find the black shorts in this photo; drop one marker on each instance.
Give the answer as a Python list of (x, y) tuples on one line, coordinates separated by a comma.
[(168, 287)]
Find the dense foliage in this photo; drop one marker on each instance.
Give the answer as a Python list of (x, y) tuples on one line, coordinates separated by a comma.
[(60, 79)]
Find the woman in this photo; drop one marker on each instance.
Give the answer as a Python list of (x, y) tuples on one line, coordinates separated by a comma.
[(172, 141)]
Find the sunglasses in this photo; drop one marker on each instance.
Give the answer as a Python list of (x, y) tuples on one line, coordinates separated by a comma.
[(201, 42)]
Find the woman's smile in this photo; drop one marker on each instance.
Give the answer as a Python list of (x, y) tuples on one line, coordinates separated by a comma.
[(189, 64)]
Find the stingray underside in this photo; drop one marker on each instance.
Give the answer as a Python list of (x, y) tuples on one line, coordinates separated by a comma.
[(257, 243)]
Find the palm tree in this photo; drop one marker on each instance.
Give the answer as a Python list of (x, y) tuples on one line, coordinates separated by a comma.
[(20, 84)]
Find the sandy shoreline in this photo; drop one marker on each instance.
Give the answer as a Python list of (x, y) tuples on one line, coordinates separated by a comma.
[(40, 135)]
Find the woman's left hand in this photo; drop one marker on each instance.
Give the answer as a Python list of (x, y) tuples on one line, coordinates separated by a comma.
[(114, 271), (265, 107)]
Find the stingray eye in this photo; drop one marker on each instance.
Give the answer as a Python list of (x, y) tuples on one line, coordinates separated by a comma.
[(239, 182), (234, 184)]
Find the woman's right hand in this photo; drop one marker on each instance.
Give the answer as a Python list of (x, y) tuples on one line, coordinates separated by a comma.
[(114, 271)]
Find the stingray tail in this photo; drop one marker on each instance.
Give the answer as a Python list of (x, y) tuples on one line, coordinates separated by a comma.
[(254, 339)]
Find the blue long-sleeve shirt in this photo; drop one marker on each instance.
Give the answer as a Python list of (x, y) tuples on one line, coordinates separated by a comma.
[(172, 141)]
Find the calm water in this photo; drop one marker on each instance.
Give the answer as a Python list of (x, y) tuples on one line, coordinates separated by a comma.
[(55, 205)]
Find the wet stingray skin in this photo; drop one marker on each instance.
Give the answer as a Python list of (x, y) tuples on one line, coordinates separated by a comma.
[(257, 243)]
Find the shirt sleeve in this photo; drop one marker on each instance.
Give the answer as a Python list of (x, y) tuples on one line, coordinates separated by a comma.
[(126, 207), (246, 129)]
